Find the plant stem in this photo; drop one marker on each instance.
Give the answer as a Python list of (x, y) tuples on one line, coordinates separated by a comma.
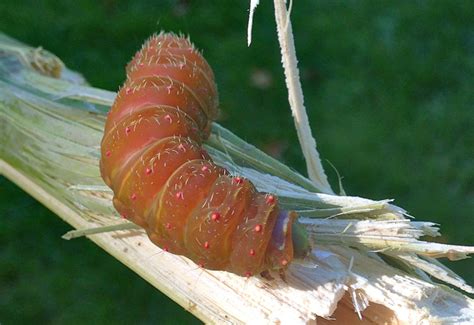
[(295, 96), (98, 230)]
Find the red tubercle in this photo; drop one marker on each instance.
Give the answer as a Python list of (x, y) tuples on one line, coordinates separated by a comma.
[(108, 153), (180, 195), (123, 216), (133, 197), (284, 262), (204, 168), (166, 249), (248, 274), (194, 129), (168, 118), (215, 216), (168, 226), (128, 91), (270, 199), (128, 130), (258, 228), (148, 171), (237, 180), (206, 245), (252, 252)]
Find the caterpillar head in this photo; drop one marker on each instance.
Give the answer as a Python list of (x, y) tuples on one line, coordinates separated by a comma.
[(280, 249)]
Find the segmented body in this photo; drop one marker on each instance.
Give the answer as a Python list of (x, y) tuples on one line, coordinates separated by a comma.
[(164, 181)]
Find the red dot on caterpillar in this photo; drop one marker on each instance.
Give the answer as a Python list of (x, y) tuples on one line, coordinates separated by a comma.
[(128, 90), (206, 245), (248, 274), (237, 180), (180, 195), (133, 197), (252, 252), (148, 171), (215, 216), (128, 130), (270, 199), (168, 118), (108, 153), (284, 262), (258, 228), (168, 225), (204, 168), (166, 249)]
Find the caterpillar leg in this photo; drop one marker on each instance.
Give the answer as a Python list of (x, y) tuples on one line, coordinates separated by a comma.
[(266, 275)]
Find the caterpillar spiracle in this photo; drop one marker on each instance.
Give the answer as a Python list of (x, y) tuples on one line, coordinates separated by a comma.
[(164, 181)]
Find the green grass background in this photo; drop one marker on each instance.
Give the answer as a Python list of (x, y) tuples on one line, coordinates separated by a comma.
[(389, 91)]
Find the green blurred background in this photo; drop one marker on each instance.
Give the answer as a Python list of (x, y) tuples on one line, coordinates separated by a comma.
[(389, 91)]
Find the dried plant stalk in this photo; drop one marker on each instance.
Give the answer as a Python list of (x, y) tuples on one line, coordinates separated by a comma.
[(51, 129), (295, 96)]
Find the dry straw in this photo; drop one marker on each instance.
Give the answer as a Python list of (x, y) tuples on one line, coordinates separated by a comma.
[(368, 259)]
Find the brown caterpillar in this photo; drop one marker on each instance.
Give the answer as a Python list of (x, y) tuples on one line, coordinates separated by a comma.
[(164, 181)]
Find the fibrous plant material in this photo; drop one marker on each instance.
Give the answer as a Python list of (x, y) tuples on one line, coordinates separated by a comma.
[(51, 129), (295, 97)]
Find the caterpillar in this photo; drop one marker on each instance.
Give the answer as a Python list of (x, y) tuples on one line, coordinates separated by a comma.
[(164, 181)]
